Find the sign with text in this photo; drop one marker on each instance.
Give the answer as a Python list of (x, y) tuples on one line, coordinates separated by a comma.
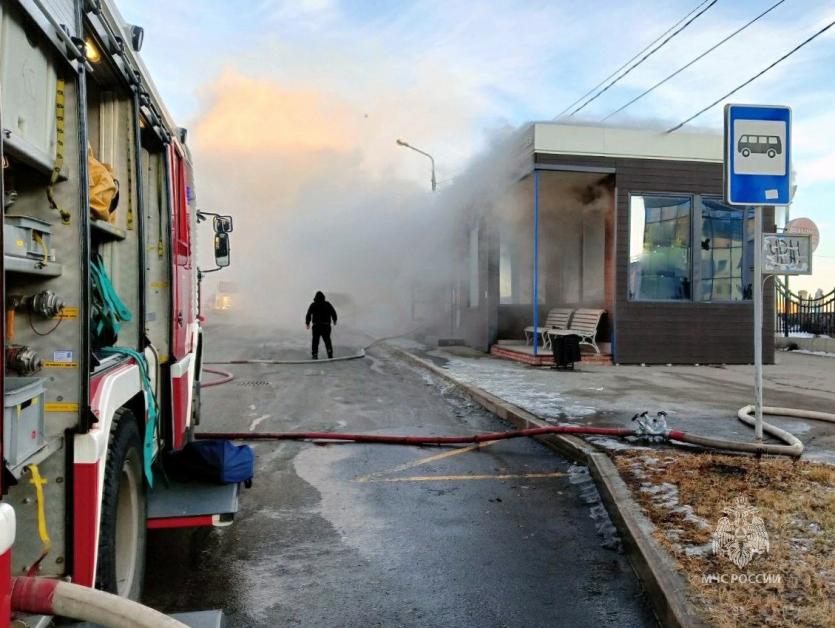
[(757, 155), (787, 254), (804, 226)]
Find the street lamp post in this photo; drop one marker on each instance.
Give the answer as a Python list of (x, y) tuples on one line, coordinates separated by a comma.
[(417, 150)]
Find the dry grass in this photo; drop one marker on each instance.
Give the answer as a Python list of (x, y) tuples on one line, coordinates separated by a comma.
[(796, 501)]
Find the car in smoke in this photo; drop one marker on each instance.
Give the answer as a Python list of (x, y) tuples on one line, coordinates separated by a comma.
[(225, 296)]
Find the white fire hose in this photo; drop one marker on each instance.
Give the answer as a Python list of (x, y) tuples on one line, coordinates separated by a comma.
[(793, 447), (45, 596)]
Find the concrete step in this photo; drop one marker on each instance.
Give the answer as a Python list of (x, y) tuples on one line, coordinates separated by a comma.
[(544, 357)]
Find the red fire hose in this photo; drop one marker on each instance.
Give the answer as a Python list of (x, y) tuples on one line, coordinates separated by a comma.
[(46, 596), (224, 377), (392, 439)]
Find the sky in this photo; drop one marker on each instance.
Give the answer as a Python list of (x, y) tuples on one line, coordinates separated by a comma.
[(299, 93)]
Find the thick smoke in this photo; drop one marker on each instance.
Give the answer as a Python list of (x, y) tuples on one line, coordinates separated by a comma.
[(314, 208)]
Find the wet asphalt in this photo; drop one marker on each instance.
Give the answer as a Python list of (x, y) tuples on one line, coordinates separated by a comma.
[(372, 535)]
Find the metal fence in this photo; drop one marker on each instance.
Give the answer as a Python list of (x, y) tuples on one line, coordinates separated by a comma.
[(810, 315)]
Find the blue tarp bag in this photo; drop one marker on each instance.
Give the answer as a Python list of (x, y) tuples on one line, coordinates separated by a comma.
[(217, 461)]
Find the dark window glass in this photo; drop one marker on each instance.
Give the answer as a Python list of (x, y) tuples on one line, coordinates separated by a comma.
[(726, 252), (659, 248)]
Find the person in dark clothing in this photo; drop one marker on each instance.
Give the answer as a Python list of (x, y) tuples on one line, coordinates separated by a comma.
[(320, 313)]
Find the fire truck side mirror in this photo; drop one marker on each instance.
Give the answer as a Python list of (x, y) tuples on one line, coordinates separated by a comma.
[(222, 224), (222, 250)]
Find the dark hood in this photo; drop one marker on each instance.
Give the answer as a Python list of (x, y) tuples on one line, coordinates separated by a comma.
[(319, 298)]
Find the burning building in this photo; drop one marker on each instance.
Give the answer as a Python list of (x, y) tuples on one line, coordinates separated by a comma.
[(628, 223)]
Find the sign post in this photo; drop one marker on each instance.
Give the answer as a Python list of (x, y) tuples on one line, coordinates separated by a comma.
[(758, 173), (758, 322)]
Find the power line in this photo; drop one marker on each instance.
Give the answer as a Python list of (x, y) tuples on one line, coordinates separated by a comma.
[(644, 58), (753, 78), (638, 54), (701, 56)]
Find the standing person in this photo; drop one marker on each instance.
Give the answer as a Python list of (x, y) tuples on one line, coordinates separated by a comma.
[(321, 313)]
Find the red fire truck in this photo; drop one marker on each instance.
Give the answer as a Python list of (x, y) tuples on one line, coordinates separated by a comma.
[(102, 335)]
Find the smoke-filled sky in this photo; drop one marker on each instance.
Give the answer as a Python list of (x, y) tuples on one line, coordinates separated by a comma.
[(294, 106)]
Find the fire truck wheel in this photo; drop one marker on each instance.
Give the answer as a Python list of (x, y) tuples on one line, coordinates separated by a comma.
[(121, 563)]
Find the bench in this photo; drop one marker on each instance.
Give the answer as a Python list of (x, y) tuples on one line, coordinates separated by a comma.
[(557, 318), (584, 324)]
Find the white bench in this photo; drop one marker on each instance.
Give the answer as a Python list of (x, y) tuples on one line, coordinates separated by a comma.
[(584, 324), (557, 318)]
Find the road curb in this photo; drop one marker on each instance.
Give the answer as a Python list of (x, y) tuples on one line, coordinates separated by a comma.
[(657, 570), (664, 585), (570, 446)]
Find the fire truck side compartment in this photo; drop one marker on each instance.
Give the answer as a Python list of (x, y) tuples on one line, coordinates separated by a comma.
[(30, 65), (23, 424)]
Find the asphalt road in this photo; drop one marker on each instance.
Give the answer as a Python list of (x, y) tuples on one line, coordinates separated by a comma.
[(376, 535)]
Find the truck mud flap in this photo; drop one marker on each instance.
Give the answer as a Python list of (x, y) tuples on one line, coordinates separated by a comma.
[(191, 504)]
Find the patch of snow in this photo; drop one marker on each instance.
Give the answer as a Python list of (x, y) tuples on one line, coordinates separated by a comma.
[(800, 334), (256, 422), (614, 444), (666, 496), (699, 550), (580, 477), (825, 354), (795, 426), (513, 384), (427, 378), (376, 365)]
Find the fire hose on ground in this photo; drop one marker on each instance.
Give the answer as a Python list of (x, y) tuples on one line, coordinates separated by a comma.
[(225, 378), (343, 358), (46, 596), (653, 427)]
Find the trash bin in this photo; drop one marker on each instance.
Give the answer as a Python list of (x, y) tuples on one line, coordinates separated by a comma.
[(566, 350)]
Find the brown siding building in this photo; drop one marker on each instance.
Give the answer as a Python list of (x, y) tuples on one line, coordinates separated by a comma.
[(623, 220)]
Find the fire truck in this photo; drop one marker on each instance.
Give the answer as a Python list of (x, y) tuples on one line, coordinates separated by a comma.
[(103, 342)]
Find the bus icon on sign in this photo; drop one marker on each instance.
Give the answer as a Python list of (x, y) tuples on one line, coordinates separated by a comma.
[(770, 145), (759, 147)]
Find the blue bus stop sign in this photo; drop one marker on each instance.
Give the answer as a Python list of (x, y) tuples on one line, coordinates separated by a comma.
[(757, 155)]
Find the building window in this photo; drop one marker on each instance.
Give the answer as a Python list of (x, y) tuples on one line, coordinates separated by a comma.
[(659, 248), (473, 267), (726, 244)]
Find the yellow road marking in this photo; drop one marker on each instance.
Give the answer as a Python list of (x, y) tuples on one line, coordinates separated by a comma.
[(455, 478), (426, 460)]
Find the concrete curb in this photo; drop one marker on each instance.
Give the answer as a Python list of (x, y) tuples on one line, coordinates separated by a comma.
[(655, 567), (665, 587)]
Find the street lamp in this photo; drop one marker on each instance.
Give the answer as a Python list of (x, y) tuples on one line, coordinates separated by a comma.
[(417, 150)]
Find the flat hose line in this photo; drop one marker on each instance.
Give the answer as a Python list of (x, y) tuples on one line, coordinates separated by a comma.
[(793, 446), (225, 378), (342, 358), (49, 596), (358, 356)]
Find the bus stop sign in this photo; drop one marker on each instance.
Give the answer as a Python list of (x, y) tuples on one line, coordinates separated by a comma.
[(757, 155)]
